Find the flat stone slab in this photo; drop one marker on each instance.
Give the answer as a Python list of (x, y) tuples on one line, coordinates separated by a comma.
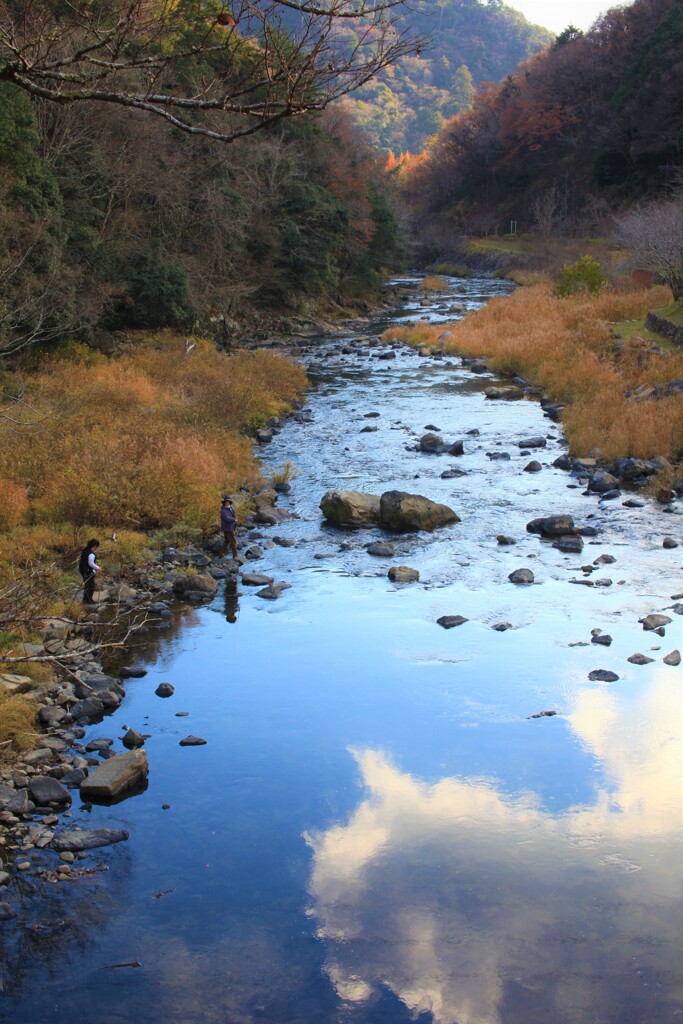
[(88, 839), (256, 579), (116, 775)]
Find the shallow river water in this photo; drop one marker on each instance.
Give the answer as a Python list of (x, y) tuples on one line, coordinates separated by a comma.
[(375, 830)]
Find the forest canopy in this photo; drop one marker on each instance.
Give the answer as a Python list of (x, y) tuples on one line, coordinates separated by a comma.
[(589, 125)]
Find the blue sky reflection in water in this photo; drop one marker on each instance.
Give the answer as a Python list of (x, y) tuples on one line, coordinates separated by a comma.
[(375, 831)]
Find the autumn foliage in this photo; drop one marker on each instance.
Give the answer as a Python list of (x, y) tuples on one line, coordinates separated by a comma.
[(148, 439), (592, 122)]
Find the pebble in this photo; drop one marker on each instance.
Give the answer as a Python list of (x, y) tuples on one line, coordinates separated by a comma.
[(602, 675), (192, 741), (67, 856), (672, 659), (165, 690)]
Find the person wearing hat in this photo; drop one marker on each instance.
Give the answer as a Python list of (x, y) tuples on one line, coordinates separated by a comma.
[(228, 526)]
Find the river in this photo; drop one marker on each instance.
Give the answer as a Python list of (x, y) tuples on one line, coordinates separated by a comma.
[(376, 830)]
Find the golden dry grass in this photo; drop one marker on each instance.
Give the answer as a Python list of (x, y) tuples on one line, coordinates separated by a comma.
[(566, 346), (17, 723), (434, 283), (146, 440)]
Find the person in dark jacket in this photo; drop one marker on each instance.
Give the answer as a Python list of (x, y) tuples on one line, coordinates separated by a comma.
[(88, 568), (228, 526)]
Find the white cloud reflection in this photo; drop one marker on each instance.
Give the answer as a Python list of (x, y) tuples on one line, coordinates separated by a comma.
[(482, 907)]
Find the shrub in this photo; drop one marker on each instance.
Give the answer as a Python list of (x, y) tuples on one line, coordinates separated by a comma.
[(586, 275), (434, 284)]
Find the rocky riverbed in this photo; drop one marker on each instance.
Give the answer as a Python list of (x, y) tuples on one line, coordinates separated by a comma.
[(435, 760)]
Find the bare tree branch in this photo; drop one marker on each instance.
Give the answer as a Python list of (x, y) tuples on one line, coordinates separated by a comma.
[(220, 69)]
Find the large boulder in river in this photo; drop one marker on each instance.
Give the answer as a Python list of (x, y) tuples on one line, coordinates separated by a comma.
[(552, 526), (350, 508), (408, 513)]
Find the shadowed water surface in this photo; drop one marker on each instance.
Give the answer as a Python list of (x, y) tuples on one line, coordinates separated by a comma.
[(375, 830)]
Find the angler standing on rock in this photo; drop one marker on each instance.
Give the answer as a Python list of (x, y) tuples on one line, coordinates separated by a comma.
[(228, 526), (88, 568)]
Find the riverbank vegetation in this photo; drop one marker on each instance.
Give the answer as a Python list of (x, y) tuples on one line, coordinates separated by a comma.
[(567, 346), (143, 440)]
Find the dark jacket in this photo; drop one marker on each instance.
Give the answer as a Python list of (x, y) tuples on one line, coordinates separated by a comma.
[(228, 519), (83, 566)]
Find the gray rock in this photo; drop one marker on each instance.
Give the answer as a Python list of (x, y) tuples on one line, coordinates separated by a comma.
[(88, 839), (5, 877), (543, 714), (532, 442), (116, 775), (505, 394), (498, 456), (449, 621), (457, 448), (165, 690), (633, 503), (630, 469), (272, 593), (256, 579), (7, 912), (552, 526), (408, 513), (192, 741), (133, 739), (132, 671), (521, 576), (602, 481), (403, 574), (604, 560), (73, 778), (672, 659), (655, 621), (202, 583), (431, 443), (640, 659), (669, 543), (381, 548), (601, 675), (39, 756), (350, 508), (502, 627), (603, 639), (45, 790), (505, 541), (571, 544), (90, 708), (51, 716), (452, 474), (533, 467)]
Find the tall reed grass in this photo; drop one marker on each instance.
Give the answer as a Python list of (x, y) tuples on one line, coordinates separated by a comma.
[(566, 346)]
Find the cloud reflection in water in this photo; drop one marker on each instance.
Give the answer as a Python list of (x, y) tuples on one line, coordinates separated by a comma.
[(487, 909)]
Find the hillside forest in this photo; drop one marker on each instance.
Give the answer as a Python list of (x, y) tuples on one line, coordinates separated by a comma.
[(582, 130)]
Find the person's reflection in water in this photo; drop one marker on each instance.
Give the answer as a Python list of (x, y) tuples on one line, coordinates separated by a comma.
[(232, 604)]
